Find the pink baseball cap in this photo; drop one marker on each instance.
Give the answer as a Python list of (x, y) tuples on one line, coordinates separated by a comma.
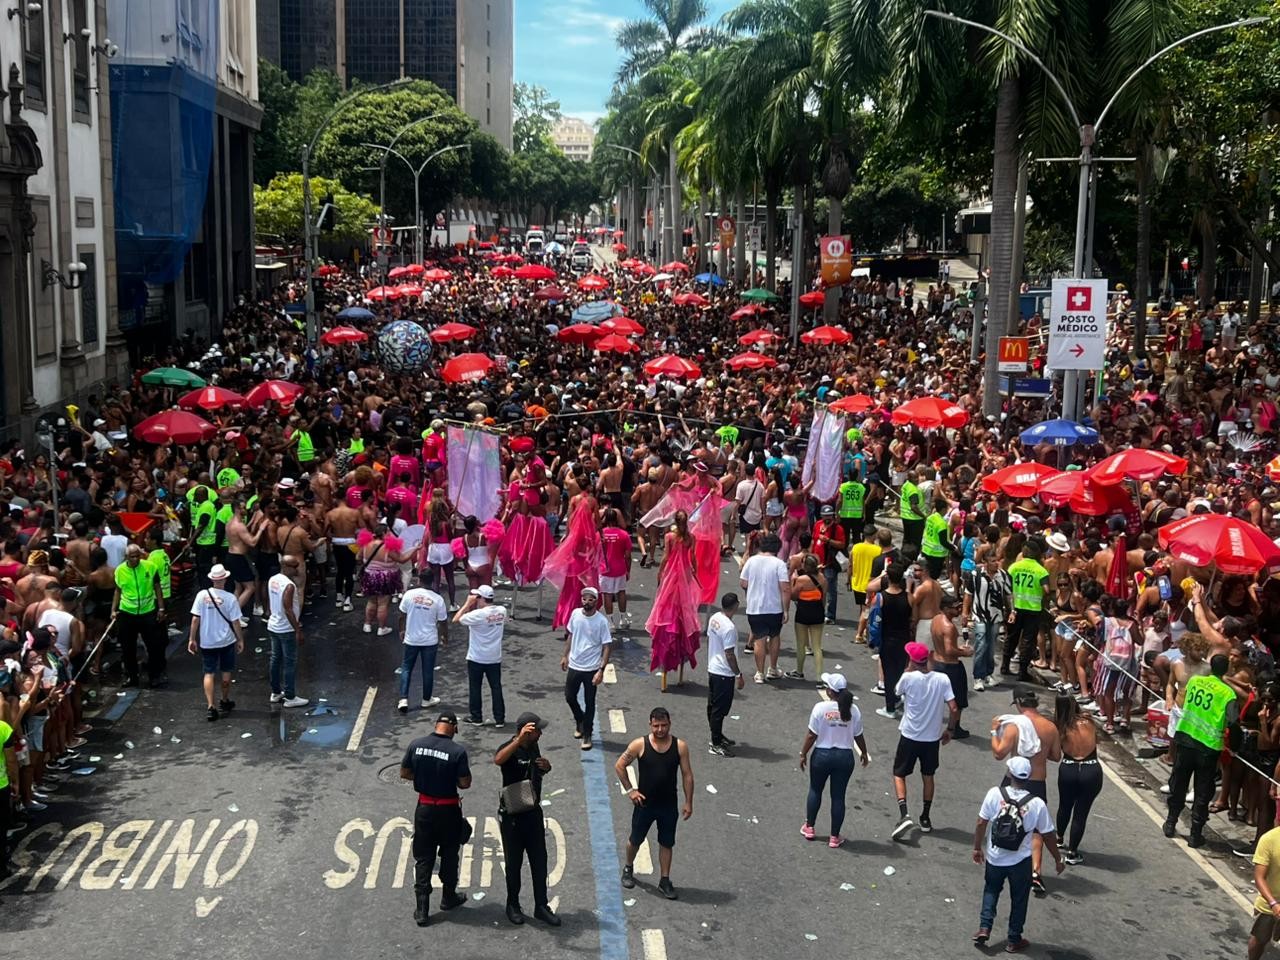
[(918, 652)]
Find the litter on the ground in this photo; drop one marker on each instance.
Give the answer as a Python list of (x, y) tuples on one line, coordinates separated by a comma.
[(846, 887), (128, 744), (118, 756), (556, 793), (948, 899), (630, 902), (323, 700), (736, 816), (122, 693), (810, 936), (157, 731), (546, 803), (398, 669), (83, 771), (889, 871), (711, 788), (94, 759), (174, 740), (313, 730), (735, 716), (245, 736), (478, 895), (233, 808)]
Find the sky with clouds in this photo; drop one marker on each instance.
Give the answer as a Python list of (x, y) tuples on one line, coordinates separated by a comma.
[(568, 48)]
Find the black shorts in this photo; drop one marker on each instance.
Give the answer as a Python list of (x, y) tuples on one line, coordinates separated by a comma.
[(268, 565), (909, 751), (1037, 788), (746, 527), (935, 565), (765, 624), (860, 597), (613, 498), (959, 678), (665, 815), (240, 567)]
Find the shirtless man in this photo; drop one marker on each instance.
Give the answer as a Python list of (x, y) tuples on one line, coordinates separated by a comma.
[(610, 482), (1004, 744), (311, 517), (325, 485), (926, 603), (77, 550), (644, 499), (947, 651), (294, 537), (30, 589), (343, 522), (267, 561), (1057, 560)]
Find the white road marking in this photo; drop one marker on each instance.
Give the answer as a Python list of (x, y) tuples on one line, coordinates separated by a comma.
[(617, 721), (610, 673), (644, 862), (655, 944), (362, 718), (1197, 858)]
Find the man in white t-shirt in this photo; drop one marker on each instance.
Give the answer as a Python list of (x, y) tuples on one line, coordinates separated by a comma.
[(928, 711), (750, 496), (424, 627), (485, 621), (723, 672), (1005, 855), (767, 583), (587, 644), (284, 607), (216, 633)]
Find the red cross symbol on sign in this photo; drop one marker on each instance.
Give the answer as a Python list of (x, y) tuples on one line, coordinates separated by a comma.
[(1079, 298)]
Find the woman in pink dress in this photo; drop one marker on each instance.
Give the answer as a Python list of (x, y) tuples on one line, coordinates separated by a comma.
[(528, 541), (673, 622), (576, 562)]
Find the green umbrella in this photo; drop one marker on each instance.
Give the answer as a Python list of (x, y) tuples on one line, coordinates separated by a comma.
[(759, 294), (173, 377)]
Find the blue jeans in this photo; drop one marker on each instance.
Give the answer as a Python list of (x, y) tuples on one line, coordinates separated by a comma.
[(828, 764), (832, 575), (427, 654), (1019, 877), (984, 648), (284, 658), (477, 672)]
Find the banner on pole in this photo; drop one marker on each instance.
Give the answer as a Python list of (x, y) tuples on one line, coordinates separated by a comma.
[(475, 472)]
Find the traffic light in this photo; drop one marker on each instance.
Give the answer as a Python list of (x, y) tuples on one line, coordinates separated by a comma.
[(328, 215)]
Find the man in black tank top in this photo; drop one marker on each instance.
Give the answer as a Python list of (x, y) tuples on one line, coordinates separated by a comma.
[(657, 757)]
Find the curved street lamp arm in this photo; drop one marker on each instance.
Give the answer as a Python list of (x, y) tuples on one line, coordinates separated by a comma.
[(1247, 22), (635, 153), (343, 104), (448, 149)]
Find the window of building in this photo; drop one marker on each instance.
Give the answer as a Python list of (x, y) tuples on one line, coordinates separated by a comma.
[(488, 116), (487, 11), (488, 65), (88, 297), (488, 90), (33, 60), (80, 107), (235, 43)]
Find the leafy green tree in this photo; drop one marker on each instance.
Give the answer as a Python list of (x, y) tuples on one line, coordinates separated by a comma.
[(277, 209), (291, 112), (534, 114)]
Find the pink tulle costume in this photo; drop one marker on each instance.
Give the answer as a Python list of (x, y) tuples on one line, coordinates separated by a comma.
[(673, 622), (576, 562), (702, 505), (527, 544)]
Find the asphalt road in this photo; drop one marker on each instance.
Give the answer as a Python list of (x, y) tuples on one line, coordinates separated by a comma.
[(288, 830)]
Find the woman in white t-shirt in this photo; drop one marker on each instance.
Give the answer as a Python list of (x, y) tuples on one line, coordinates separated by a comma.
[(835, 725)]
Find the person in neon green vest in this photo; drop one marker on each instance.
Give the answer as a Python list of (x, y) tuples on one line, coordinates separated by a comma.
[(936, 543), (911, 510), (1209, 710), (853, 499), (1030, 585)]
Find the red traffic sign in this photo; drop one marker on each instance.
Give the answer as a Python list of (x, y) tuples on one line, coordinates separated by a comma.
[(726, 224), (1014, 354)]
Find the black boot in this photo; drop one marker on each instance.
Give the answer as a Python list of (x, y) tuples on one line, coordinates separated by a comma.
[(1171, 827), (451, 899), (515, 914), (421, 913), (1197, 837)]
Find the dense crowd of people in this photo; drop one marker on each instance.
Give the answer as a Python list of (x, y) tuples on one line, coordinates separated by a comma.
[(949, 551)]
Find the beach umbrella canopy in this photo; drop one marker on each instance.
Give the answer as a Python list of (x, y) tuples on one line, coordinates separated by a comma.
[(328, 270), (1273, 470), (623, 325), (614, 343), (826, 336), (173, 377), (1136, 464), (595, 311), (711, 279), (1019, 479), (355, 313), (630, 263), (690, 300), (550, 292), (210, 398), (176, 426), (1077, 490), (929, 413), (644, 270), (748, 312), (281, 391), (758, 338), (593, 281), (759, 295), (675, 266), (453, 331), (409, 290), (535, 271), (437, 275), (1210, 538), (338, 335), (579, 333), (858, 403), (814, 298), (672, 366), (408, 270), (384, 293), (1061, 433), (619, 248), (502, 271), (466, 367), (750, 361)]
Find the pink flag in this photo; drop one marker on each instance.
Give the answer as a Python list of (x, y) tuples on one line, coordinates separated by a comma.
[(475, 472)]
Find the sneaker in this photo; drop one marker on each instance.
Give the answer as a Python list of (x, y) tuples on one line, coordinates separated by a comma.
[(628, 877), (978, 686), (883, 712), (276, 698), (719, 750), (794, 675), (626, 620), (1072, 857), (875, 656), (428, 704), (759, 677), (383, 631), (878, 688), (926, 825), (258, 611), (959, 733), (1244, 853), (835, 842), (1037, 885), (346, 604), (806, 831), (212, 714), (35, 806), (368, 628), (1164, 788), (337, 601), (296, 701), (244, 621), (473, 721), (41, 795), (774, 673), (585, 744), (1017, 946), (901, 828), (1170, 828), (226, 706), (829, 620), (403, 705), (992, 683), (499, 724), (667, 890)]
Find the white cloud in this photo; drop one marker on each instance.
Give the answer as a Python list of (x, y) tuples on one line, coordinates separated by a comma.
[(604, 25), (580, 40)]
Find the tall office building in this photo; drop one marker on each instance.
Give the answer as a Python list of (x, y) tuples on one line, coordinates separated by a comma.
[(466, 47), (575, 138)]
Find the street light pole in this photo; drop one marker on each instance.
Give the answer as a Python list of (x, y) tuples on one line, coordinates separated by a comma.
[(382, 175), (1088, 137), (417, 176), (652, 169)]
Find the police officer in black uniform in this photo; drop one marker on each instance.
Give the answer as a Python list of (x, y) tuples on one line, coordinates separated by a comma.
[(438, 768), (524, 833)]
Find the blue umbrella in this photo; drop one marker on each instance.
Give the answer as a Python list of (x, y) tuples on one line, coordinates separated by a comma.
[(1061, 433), (714, 279), (356, 313), (595, 311)]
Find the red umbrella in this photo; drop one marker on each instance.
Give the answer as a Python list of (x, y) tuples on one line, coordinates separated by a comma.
[(466, 367), (1232, 544), (502, 271), (750, 361), (814, 298), (614, 343), (409, 290), (1076, 489), (328, 270), (619, 233), (858, 403), (675, 266), (490, 255), (580, 333), (281, 391), (176, 426), (644, 270), (484, 245), (1136, 464), (593, 281), (690, 300), (929, 413), (210, 398), (453, 331), (747, 311), (1019, 479), (457, 260), (672, 366), (339, 335), (408, 270), (758, 338), (513, 259), (826, 336), (437, 275), (630, 263), (623, 325), (535, 271), (384, 293), (619, 248), (550, 293)]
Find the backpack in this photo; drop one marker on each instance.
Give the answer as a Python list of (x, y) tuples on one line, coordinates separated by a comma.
[(1007, 829), (1117, 644), (874, 620)]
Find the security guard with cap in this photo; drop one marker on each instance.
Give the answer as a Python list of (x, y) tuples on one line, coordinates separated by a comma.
[(438, 767), (1209, 712)]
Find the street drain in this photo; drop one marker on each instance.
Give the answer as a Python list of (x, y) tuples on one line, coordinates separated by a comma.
[(391, 774)]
